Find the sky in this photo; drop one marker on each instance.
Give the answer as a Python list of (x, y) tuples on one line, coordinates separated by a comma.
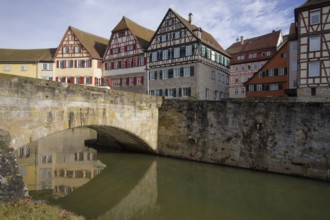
[(33, 24)]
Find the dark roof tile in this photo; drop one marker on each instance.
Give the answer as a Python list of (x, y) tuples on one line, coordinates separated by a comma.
[(28, 55)]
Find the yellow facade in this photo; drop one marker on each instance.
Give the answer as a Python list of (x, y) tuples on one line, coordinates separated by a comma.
[(26, 70)]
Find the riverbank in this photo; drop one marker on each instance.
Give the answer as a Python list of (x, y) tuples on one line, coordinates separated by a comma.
[(29, 209)]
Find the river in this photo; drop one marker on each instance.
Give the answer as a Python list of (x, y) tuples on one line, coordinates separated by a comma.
[(122, 185)]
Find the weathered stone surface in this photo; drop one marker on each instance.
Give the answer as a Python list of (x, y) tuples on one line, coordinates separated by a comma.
[(277, 135), (11, 182)]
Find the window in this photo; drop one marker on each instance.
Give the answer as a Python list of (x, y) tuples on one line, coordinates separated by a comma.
[(236, 91), (129, 63), (115, 65), (24, 68), (271, 72), (88, 80), (189, 50), (122, 65), (314, 43), (251, 88), (186, 71), (163, 38), (70, 37), (6, 68), (165, 54), (281, 71), (116, 82), (177, 34), (159, 92), (141, 60), (259, 87), (77, 79), (176, 72), (216, 95), (122, 49), (314, 18), (115, 50), (131, 81), (153, 75), (273, 87), (65, 49), (139, 80), (152, 92), (77, 49), (154, 56), (129, 47), (268, 53), (252, 55), (170, 22), (242, 90), (213, 75), (121, 34), (284, 55), (177, 52), (69, 63), (47, 66), (203, 51), (314, 69), (165, 74), (208, 53), (206, 93), (185, 92)]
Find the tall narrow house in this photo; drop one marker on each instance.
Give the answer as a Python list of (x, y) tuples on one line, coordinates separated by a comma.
[(313, 36), (186, 61), (247, 57), (79, 58), (125, 57)]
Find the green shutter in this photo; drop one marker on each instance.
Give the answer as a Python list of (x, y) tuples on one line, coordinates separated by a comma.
[(189, 91), (155, 75), (181, 71), (192, 68), (180, 92), (276, 72), (161, 74), (166, 92), (161, 92), (174, 92), (170, 73), (285, 71)]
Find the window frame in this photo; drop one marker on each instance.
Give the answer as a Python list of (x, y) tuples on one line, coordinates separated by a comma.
[(317, 66), (314, 43), (312, 15)]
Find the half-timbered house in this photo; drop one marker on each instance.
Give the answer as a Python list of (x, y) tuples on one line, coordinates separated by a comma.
[(313, 35), (272, 79), (186, 61), (79, 58), (247, 57), (125, 57)]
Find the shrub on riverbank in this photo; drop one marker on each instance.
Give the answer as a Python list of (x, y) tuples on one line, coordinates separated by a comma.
[(27, 209)]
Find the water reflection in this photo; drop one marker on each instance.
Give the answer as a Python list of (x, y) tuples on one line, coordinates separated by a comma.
[(60, 162), (138, 187)]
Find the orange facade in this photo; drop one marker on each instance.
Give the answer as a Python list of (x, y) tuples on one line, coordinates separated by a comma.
[(272, 79)]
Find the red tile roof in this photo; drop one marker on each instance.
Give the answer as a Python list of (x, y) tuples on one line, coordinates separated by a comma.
[(263, 42)]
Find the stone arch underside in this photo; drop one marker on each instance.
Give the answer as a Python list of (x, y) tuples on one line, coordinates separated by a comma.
[(107, 136)]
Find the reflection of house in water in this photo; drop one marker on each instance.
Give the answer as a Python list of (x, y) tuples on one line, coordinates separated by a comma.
[(60, 162)]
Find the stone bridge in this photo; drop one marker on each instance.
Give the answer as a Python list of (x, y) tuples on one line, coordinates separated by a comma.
[(32, 108)]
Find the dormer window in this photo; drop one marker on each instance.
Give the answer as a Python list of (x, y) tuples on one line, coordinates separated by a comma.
[(315, 17), (121, 34)]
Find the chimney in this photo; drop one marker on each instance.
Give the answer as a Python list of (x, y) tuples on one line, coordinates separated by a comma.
[(190, 17), (242, 40)]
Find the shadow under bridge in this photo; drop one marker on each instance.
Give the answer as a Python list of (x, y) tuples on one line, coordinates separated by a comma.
[(117, 138)]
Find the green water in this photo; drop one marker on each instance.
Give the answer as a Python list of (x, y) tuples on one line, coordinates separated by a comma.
[(115, 185)]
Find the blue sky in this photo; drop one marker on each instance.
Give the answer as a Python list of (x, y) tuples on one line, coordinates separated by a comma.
[(27, 24)]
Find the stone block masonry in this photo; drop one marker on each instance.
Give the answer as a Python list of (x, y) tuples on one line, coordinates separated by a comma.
[(276, 135)]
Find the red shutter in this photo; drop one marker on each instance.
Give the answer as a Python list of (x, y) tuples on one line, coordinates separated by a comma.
[(145, 61), (112, 65), (110, 82), (119, 64), (90, 63), (72, 80), (125, 63), (127, 81), (56, 79), (57, 64), (125, 48), (102, 81), (121, 82), (134, 81), (82, 80), (142, 80), (64, 64), (90, 80), (95, 80), (134, 46), (110, 51)]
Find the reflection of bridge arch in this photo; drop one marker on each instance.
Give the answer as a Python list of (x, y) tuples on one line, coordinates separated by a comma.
[(47, 107)]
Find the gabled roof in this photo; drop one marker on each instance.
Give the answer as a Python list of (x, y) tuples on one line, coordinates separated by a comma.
[(310, 4), (142, 34), (254, 44), (293, 32), (95, 45), (30, 55), (207, 38)]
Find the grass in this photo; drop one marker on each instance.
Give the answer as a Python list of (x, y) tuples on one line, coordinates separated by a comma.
[(28, 209)]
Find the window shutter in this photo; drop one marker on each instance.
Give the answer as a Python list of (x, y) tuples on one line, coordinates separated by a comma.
[(112, 65), (189, 91), (125, 48), (174, 92), (170, 73), (169, 53), (119, 64), (155, 74), (56, 79), (182, 51), (72, 80), (180, 92), (127, 81), (192, 68), (150, 57), (166, 92), (90, 63), (193, 49), (161, 74), (82, 80), (64, 64), (181, 71), (280, 86), (125, 63), (145, 61), (57, 64), (142, 80), (266, 73), (161, 92), (285, 70), (276, 72), (121, 82), (90, 80), (134, 80), (102, 81), (111, 51), (134, 46)]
